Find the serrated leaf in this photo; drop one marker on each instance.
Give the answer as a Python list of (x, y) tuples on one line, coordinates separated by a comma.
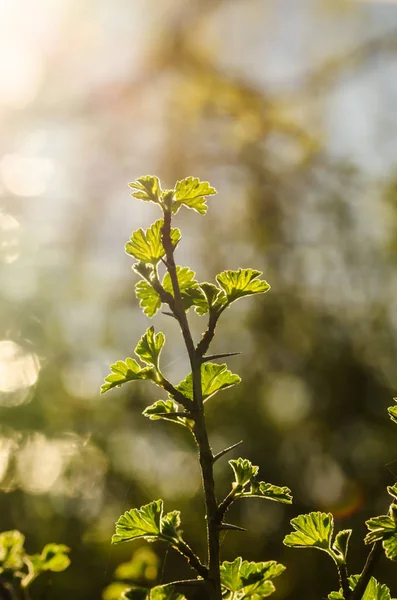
[(147, 189), (379, 528), (165, 409), (313, 530), (341, 543), (244, 282), (124, 371), (244, 471), (374, 590), (249, 579), (392, 490), (149, 347), (269, 491), (149, 299), (146, 246), (214, 378), (165, 592), (390, 547), (170, 525), (392, 410), (209, 298), (191, 192), (139, 522)]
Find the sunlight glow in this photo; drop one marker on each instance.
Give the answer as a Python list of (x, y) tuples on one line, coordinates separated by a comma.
[(19, 371), (9, 238), (25, 175)]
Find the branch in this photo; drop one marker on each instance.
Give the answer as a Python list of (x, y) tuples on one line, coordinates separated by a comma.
[(223, 452), (215, 356), (178, 396), (366, 574), (192, 559), (208, 334), (344, 581)]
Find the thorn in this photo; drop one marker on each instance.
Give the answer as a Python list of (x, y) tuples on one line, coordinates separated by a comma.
[(230, 527), (215, 356), (222, 452)]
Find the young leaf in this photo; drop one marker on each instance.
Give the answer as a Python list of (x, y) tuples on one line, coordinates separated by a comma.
[(165, 592), (170, 525), (140, 522), (124, 371), (260, 489), (244, 471), (379, 528), (147, 189), (166, 409), (146, 246), (11, 549), (392, 490), (341, 543), (248, 579), (374, 590), (149, 347), (244, 282), (392, 410), (209, 298), (149, 299), (214, 378), (191, 192), (313, 530)]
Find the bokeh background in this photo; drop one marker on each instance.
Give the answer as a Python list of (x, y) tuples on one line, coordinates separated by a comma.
[(288, 107)]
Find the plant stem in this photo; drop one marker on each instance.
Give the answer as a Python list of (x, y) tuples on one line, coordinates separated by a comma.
[(200, 430), (366, 574), (344, 581)]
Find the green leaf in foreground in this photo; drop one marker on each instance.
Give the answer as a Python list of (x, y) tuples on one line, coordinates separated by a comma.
[(191, 192), (146, 246), (139, 522), (214, 378), (248, 579), (384, 529), (124, 371), (166, 409), (374, 590), (244, 282), (147, 188), (313, 530), (244, 471), (341, 543), (149, 347)]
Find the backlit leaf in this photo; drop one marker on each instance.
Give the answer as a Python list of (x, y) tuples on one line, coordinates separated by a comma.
[(124, 371), (139, 522), (149, 347), (269, 491), (170, 525), (147, 188), (166, 409), (165, 592), (244, 470), (341, 543), (211, 298), (249, 579), (393, 412), (191, 192), (12, 549), (244, 282), (146, 246), (149, 299), (313, 530), (379, 527), (214, 378), (374, 590)]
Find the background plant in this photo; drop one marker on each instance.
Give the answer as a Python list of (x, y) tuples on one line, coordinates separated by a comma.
[(185, 405)]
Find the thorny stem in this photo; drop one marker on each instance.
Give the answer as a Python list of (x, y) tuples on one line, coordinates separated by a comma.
[(199, 430), (192, 559), (366, 574), (344, 581)]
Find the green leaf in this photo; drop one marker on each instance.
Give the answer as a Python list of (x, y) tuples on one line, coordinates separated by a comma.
[(165, 592), (12, 550), (191, 192), (149, 299), (244, 471), (379, 527), (54, 557), (124, 371), (374, 590), (392, 410), (149, 347), (170, 526), (244, 282), (341, 543), (390, 547), (146, 246), (210, 299), (142, 566), (248, 579), (268, 491), (313, 530), (135, 593), (115, 590), (139, 522), (157, 409), (214, 378), (147, 189), (392, 490)]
